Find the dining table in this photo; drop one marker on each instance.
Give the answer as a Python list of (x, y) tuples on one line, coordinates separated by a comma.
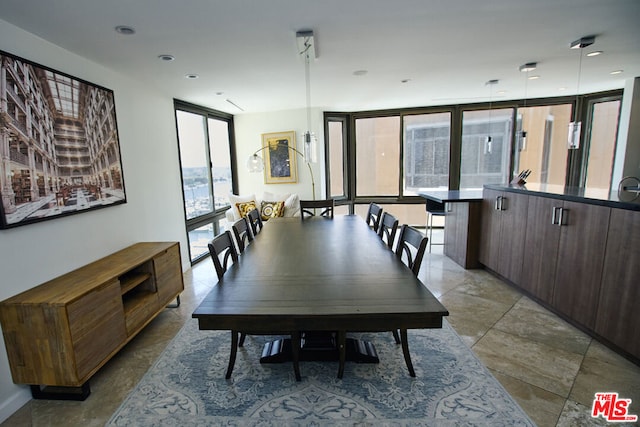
[(316, 281)]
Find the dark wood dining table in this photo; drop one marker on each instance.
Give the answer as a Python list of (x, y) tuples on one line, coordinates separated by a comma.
[(321, 275)]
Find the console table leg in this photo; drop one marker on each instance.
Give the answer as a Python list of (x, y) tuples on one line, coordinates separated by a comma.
[(61, 393)]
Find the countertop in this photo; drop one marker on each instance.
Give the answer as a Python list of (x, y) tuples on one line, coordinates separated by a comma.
[(573, 194)]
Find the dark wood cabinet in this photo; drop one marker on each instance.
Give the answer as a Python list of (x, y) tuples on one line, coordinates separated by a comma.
[(462, 233), (579, 258), (541, 248), (617, 317), (583, 239), (504, 217)]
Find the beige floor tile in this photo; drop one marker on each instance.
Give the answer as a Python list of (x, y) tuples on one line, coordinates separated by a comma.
[(603, 370), (546, 367), (529, 320), (577, 415), (542, 406)]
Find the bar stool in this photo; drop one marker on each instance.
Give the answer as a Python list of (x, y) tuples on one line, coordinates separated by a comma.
[(433, 209)]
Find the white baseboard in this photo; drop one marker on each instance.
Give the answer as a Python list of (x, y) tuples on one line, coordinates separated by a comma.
[(15, 402)]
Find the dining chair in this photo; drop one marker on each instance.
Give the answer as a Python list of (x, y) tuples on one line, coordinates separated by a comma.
[(412, 244), (388, 228), (308, 208), (222, 247), (374, 214), (433, 209), (255, 221), (242, 232)]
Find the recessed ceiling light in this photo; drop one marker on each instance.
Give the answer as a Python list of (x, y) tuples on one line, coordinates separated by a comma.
[(219, 93), (360, 72), (614, 72), (529, 66), (562, 89), (405, 80), (595, 53), (534, 77), (192, 76), (125, 29), (166, 57)]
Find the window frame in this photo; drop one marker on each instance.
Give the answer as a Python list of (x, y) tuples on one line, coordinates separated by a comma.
[(215, 215)]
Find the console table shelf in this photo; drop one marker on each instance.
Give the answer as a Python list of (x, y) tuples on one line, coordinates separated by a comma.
[(60, 333)]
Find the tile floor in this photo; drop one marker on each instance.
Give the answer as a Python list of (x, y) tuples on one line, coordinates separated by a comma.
[(548, 366)]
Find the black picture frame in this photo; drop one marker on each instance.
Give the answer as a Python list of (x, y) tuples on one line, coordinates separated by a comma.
[(59, 144)]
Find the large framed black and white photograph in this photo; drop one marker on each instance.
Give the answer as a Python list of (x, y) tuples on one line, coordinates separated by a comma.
[(59, 144)]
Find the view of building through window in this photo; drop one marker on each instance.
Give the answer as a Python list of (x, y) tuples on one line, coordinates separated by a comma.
[(427, 140)]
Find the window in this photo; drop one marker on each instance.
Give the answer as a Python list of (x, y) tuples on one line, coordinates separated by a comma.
[(544, 150), (204, 140), (427, 139), (486, 137), (336, 136), (377, 156), (601, 146)]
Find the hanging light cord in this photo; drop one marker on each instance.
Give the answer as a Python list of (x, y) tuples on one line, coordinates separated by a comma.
[(308, 83), (575, 112)]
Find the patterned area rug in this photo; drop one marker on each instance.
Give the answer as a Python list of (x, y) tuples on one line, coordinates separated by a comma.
[(186, 387)]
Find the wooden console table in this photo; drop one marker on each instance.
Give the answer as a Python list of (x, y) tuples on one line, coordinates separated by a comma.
[(60, 333)]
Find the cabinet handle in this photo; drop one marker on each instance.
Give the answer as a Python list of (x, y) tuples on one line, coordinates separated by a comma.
[(502, 204), (497, 207), (561, 220), (554, 212)]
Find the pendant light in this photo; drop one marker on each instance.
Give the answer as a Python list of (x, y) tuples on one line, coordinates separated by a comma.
[(488, 142), (522, 135), (307, 50), (573, 138)]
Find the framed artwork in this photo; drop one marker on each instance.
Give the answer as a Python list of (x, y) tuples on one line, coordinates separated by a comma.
[(59, 143), (280, 159)]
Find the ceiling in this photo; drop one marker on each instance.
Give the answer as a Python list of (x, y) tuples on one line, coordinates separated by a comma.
[(414, 52)]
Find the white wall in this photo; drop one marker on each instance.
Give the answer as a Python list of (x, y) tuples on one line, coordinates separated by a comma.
[(35, 253), (627, 157), (248, 131)]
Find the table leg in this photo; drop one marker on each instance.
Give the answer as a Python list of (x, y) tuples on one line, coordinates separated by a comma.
[(232, 355), (405, 351), (295, 353), (342, 351)]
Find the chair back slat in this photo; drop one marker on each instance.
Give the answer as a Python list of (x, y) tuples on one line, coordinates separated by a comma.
[(308, 207), (388, 228), (222, 247), (242, 232), (413, 245), (374, 215), (255, 220)]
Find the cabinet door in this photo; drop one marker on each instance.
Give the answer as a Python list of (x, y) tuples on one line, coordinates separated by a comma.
[(618, 319), (489, 243), (512, 235), (580, 261), (96, 323), (168, 274), (541, 248)]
